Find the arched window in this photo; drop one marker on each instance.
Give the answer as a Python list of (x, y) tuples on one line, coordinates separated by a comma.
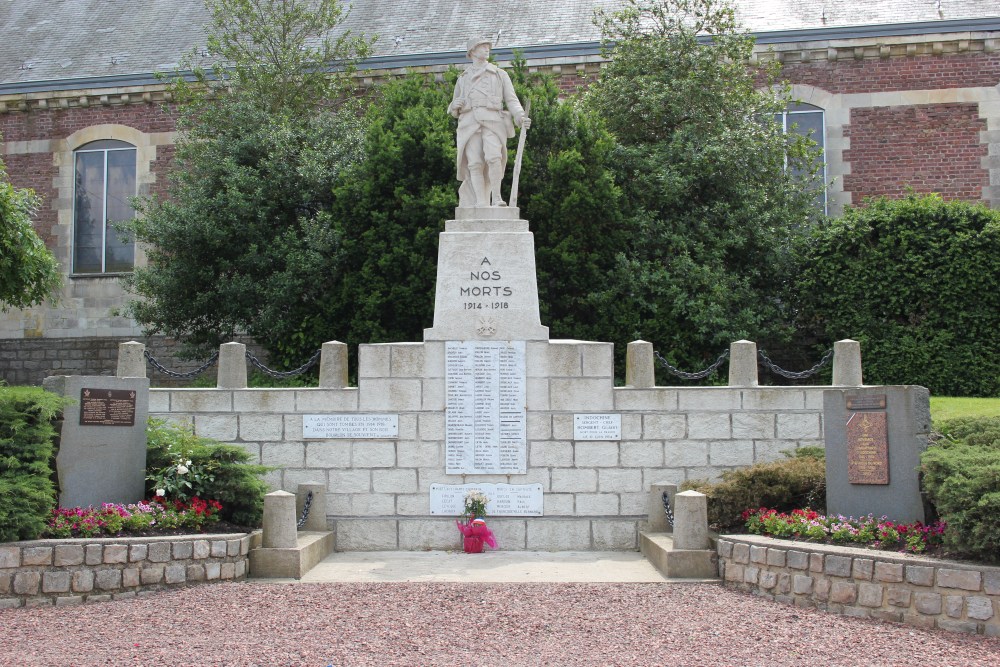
[(808, 121), (104, 180)]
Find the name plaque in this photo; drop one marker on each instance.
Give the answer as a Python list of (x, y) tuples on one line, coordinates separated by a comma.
[(867, 448), (485, 416), (107, 407), (350, 426), (869, 402), (597, 427), (502, 499)]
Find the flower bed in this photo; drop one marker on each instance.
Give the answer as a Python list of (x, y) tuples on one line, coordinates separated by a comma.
[(905, 588), (72, 571)]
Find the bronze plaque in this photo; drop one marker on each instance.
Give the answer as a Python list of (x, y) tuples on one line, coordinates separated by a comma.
[(871, 402), (107, 407), (867, 448)]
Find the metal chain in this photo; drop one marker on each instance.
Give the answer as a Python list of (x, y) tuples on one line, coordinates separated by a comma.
[(801, 375), (183, 376), (305, 510), (666, 508), (285, 374), (693, 376)]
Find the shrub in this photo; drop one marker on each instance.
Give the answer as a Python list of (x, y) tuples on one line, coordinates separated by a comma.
[(785, 485), (26, 457), (224, 472), (917, 282), (961, 475)]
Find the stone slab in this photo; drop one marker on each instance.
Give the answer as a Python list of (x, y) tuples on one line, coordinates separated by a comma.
[(102, 461), (503, 499), (350, 426), (658, 548), (292, 563)]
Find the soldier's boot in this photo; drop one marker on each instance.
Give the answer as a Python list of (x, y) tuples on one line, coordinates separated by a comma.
[(496, 174), (478, 181)]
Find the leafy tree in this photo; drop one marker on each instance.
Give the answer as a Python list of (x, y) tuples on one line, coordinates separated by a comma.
[(917, 282), (28, 271), (245, 242), (709, 205)]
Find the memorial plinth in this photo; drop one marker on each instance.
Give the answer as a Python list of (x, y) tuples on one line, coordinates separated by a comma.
[(486, 281)]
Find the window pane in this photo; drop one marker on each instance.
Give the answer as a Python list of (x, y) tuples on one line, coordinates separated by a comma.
[(121, 185), (88, 213)]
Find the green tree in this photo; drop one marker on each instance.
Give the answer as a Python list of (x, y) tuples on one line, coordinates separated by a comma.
[(917, 282), (245, 242), (28, 271), (710, 207)]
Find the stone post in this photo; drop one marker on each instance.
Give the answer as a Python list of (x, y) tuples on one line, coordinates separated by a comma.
[(131, 360), (657, 518), (280, 531), (847, 363), (639, 371), (333, 365), (691, 521), (743, 364), (317, 509), (232, 366)]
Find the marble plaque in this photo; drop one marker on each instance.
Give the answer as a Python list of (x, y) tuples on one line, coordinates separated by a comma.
[(503, 499), (597, 427), (867, 448), (485, 417), (350, 426)]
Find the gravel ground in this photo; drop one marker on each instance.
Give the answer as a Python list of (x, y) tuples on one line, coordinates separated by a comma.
[(316, 625)]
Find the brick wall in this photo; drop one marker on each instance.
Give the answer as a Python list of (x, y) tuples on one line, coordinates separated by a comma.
[(931, 148), (895, 587)]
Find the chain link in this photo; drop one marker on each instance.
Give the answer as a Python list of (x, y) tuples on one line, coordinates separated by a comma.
[(254, 361), (791, 375), (666, 509), (182, 376), (305, 510), (700, 375)]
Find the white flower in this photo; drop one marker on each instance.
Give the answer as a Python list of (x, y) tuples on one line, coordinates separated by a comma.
[(160, 493), (188, 462), (182, 470)]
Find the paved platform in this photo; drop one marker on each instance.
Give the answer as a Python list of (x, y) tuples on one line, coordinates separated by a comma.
[(491, 566)]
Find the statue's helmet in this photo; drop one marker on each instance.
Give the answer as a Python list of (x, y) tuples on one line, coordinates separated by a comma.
[(476, 41)]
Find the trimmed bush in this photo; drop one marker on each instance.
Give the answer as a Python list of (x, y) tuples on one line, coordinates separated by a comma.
[(917, 282), (228, 478), (793, 483), (26, 460), (961, 475)]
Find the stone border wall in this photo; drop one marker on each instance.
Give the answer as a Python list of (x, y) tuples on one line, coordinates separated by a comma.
[(916, 590), (64, 572)]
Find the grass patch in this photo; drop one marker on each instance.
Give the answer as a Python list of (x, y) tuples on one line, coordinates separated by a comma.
[(944, 408)]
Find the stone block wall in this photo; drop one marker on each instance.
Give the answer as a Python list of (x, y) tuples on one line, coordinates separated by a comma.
[(911, 589), (73, 571), (595, 493)]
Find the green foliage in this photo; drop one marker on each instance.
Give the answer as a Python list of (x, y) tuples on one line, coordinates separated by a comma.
[(917, 282), (246, 241), (786, 485), (226, 475), (28, 272), (961, 475), (709, 205), (26, 460)]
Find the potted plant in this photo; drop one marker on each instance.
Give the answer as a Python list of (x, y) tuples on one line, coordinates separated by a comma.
[(474, 531)]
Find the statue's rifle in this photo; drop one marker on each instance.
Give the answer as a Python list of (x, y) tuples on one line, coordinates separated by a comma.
[(520, 154)]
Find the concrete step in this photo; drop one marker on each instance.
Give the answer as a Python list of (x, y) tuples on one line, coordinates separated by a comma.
[(292, 563), (658, 548)]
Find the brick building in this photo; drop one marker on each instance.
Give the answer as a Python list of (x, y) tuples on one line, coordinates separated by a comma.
[(900, 93)]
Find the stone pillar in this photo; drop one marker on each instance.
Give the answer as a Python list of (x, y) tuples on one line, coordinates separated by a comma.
[(639, 370), (847, 363), (232, 366), (280, 531), (333, 365), (691, 521), (657, 518), (743, 364), (317, 509), (131, 360)]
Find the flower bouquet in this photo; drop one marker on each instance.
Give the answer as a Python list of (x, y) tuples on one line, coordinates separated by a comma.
[(474, 531)]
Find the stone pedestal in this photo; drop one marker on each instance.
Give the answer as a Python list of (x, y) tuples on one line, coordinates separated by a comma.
[(487, 287)]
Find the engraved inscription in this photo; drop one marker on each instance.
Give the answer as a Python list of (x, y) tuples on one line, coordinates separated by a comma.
[(503, 499), (350, 426), (870, 402), (107, 407), (597, 427), (867, 448), (485, 417), (486, 289)]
